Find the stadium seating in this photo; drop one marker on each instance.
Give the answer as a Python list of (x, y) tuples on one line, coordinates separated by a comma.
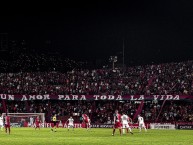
[(40, 74)]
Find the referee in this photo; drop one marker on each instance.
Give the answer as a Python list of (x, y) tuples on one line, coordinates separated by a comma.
[(54, 120)]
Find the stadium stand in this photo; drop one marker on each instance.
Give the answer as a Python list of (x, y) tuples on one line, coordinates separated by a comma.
[(40, 74)]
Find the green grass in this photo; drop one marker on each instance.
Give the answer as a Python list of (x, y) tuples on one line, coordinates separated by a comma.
[(29, 136)]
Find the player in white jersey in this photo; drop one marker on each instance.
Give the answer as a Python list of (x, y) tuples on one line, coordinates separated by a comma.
[(125, 123), (1, 122), (141, 123), (31, 121), (70, 123)]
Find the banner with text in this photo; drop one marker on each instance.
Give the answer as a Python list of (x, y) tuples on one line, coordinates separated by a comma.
[(94, 97), (76, 125), (185, 127), (162, 126)]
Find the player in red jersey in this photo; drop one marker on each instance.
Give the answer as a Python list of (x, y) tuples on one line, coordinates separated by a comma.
[(7, 123), (117, 122), (37, 122), (86, 120)]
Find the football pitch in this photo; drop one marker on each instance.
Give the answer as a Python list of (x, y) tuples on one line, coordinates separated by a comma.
[(95, 136)]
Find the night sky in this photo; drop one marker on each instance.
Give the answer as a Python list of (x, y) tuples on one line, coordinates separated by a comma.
[(160, 31)]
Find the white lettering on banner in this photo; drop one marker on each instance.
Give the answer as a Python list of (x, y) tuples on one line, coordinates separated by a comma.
[(3, 96), (186, 127), (48, 125), (39, 97), (106, 126), (11, 97), (177, 97), (107, 97), (46, 97), (162, 126), (132, 97), (169, 97), (32, 97), (74, 97), (93, 97), (119, 97), (67, 97), (166, 97), (60, 97), (83, 97), (102, 125), (141, 97), (103, 97), (24, 98), (78, 125), (95, 126), (96, 97), (155, 97), (162, 97), (111, 97), (35, 97), (6, 97), (15, 125)]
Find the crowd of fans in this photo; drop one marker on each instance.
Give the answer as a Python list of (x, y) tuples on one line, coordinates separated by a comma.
[(40, 74), (170, 78), (102, 111)]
